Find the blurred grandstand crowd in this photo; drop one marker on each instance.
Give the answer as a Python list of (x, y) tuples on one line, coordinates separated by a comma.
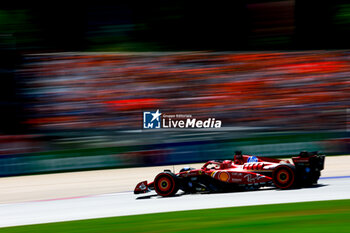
[(278, 90)]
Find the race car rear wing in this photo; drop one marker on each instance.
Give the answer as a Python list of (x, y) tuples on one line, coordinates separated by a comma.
[(309, 159), (308, 166)]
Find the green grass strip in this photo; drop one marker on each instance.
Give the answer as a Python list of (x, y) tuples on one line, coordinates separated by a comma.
[(321, 216)]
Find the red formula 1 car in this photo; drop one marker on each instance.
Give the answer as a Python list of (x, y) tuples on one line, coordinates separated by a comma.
[(245, 172)]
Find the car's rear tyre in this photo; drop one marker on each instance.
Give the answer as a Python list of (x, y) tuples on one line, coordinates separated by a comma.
[(166, 184), (283, 176)]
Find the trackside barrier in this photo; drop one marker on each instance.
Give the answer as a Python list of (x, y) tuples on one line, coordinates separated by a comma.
[(159, 154)]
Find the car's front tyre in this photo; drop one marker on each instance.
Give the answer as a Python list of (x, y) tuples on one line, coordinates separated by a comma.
[(166, 184)]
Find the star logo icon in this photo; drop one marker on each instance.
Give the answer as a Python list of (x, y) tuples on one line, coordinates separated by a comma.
[(156, 115), (151, 120)]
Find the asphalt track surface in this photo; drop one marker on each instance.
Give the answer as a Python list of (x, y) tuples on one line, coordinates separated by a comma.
[(105, 193), (126, 203)]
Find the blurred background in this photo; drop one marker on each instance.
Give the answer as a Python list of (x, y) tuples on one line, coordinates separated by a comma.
[(75, 81)]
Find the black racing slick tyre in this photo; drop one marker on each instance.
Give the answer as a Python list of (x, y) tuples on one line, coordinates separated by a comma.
[(166, 184), (283, 176)]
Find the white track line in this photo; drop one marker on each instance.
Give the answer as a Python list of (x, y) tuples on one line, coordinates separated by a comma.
[(121, 204)]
